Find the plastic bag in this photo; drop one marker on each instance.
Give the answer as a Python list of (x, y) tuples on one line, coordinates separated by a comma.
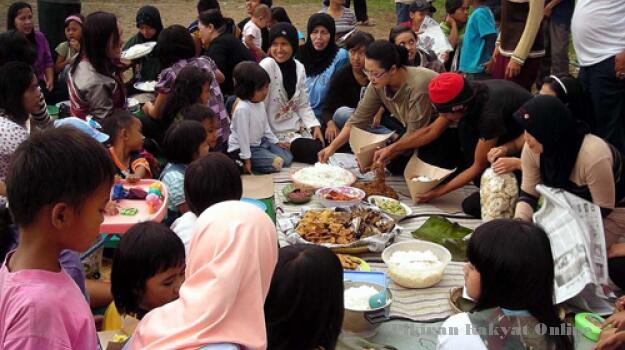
[(498, 195)]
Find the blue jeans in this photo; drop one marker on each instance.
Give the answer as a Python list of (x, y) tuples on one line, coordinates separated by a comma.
[(264, 158), (343, 113), (403, 12), (607, 93)]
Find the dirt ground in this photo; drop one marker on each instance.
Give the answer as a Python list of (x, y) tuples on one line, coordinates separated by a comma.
[(184, 11)]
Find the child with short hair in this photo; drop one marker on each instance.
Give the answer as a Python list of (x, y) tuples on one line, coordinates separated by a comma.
[(252, 143), (67, 51), (252, 32), (58, 185), (207, 181), (209, 121), (126, 142), (148, 269), (480, 37), (184, 142)]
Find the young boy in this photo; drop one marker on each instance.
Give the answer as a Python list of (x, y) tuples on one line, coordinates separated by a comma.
[(479, 42), (209, 180), (126, 141), (252, 35), (58, 184)]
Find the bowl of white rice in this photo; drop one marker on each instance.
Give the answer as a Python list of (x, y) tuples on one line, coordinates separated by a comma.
[(416, 264), (359, 318)]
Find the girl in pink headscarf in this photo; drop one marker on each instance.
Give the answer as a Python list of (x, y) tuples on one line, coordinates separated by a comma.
[(231, 260)]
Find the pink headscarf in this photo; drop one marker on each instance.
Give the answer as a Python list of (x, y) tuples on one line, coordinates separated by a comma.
[(231, 259)]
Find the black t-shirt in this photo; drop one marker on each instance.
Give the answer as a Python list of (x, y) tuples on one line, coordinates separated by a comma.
[(494, 119), (344, 90), (227, 51), (264, 34)]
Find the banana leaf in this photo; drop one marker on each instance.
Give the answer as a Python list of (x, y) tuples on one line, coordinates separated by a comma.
[(449, 234)]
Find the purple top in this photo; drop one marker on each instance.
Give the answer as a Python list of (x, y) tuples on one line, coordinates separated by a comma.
[(216, 100), (44, 57)]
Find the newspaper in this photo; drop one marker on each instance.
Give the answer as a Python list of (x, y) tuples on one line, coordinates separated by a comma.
[(575, 230)]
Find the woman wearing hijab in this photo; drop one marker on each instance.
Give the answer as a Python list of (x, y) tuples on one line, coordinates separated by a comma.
[(231, 260), (321, 58), (290, 116), (150, 25), (559, 152)]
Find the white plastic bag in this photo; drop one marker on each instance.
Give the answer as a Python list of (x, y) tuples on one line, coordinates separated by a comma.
[(498, 195)]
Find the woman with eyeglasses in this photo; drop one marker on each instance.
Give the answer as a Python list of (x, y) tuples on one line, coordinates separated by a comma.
[(483, 114), (400, 89)]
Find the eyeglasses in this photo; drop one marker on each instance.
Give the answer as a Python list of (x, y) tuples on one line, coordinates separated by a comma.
[(375, 76)]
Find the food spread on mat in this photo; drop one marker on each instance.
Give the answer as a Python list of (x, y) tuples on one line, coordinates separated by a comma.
[(357, 298), (416, 268), (391, 206), (338, 226), (377, 187), (348, 262), (335, 195), (421, 179), (323, 175)]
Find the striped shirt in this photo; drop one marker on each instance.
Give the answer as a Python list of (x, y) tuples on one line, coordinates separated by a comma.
[(345, 24)]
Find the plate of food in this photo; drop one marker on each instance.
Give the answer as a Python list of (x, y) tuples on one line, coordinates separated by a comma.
[(341, 228), (378, 186), (322, 175), (393, 207), (350, 262), (138, 51), (145, 86), (343, 196)]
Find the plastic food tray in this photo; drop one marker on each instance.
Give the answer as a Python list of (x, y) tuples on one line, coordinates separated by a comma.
[(119, 224)]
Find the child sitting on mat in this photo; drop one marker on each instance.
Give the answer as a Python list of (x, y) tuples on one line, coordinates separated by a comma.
[(148, 269), (126, 142), (252, 144), (207, 181), (184, 142), (58, 184)]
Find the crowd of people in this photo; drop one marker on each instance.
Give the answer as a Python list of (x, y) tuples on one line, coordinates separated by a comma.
[(255, 96)]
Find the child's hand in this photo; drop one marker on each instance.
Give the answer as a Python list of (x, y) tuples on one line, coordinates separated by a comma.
[(284, 145), (247, 166), (133, 178), (617, 321), (613, 342), (74, 44)]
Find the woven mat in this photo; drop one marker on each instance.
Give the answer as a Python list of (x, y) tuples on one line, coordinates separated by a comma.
[(423, 305)]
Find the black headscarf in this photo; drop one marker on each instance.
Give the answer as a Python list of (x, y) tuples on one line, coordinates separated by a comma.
[(288, 68), (149, 15), (316, 62), (548, 120)]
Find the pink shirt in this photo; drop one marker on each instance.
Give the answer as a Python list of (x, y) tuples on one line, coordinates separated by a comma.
[(43, 310)]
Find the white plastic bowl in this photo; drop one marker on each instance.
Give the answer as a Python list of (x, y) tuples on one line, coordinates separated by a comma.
[(426, 277), (358, 195), (373, 201)]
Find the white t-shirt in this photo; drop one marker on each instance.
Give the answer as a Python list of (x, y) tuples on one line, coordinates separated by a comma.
[(597, 29), (249, 126), (458, 334), (252, 29), (183, 227)]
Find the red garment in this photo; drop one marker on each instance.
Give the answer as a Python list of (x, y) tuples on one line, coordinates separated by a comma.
[(527, 76)]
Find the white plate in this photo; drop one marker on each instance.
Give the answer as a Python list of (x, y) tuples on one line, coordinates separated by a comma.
[(372, 200), (139, 50), (145, 86)]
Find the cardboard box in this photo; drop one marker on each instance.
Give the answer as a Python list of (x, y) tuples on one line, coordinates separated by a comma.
[(364, 144), (415, 168)]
